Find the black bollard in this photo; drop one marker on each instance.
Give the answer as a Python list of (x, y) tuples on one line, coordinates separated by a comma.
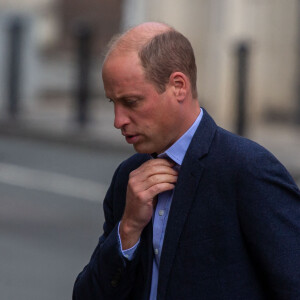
[(15, 32), (242, 54), (83, 85)]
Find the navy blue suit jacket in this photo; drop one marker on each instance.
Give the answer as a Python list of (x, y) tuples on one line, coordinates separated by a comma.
[(233, 230)]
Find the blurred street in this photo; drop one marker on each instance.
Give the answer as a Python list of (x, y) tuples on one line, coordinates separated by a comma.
[(50, 216)]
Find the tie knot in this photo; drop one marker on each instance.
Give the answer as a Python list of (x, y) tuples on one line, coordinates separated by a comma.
[(166, 156)]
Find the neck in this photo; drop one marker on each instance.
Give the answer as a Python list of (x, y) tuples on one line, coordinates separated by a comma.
[(192, 114)]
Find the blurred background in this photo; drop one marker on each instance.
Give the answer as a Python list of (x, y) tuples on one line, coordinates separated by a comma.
[(58, 147)]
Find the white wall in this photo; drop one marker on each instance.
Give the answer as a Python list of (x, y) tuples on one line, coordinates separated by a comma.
[(214, 28)]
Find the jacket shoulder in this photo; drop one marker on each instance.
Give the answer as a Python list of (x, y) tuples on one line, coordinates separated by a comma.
[(249, 158), (240, 148)]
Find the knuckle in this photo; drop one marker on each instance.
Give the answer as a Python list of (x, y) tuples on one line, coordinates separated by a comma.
[(132, 174), (153, 179), (132, 181), (156, 189), (152, 169)]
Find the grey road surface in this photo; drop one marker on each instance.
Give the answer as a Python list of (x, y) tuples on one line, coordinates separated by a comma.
[(50, 215)]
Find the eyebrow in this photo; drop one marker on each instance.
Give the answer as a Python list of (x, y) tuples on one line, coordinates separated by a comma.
[(131, 96), (127, 96)]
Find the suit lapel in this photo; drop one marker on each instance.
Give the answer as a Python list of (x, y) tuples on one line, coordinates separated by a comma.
[(189, 177)]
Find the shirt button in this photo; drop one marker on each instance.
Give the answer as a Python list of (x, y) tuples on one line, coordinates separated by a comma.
[(161, 212), (156, 251)]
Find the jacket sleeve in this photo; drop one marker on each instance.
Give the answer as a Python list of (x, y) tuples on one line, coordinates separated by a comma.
[(109, 275), (269, 212)]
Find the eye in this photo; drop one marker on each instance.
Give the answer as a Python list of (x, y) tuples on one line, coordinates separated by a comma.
[(131, 101)]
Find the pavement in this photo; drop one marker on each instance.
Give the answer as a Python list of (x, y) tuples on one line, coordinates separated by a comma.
[(53, 120)]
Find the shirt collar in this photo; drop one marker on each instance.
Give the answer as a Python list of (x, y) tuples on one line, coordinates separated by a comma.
[(177, 151)]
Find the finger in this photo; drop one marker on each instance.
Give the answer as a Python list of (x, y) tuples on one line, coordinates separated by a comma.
[(144, 174), (136, 185), (160, 170), (154, 190), (157, 179), (154, 163)]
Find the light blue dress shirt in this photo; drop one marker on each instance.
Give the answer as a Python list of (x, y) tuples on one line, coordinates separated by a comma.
[(160, 217)]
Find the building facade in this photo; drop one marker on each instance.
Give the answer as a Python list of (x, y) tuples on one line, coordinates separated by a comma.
[(216, 28), (269, 28)]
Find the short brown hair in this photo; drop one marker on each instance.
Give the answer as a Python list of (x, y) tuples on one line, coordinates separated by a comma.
[(166, 53)]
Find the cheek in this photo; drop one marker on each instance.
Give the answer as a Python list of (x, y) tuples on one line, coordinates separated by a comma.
[(149, 118), (154, 121), (166, 122)]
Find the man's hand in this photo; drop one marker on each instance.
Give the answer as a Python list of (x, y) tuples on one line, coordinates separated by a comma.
[(145, 183)]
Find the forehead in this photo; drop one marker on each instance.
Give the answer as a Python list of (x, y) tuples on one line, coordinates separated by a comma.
[(121, 73), (122, 66), (118, 59)]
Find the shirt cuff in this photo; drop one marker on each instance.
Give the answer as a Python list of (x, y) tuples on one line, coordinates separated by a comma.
[(128, 253)]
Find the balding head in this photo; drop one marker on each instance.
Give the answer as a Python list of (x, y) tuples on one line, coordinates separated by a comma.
[(135, 38), (161, 49)]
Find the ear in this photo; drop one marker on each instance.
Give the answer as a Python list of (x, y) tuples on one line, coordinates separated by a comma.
[(179, 83)]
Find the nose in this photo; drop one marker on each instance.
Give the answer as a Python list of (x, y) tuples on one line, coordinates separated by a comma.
[(121, 116)]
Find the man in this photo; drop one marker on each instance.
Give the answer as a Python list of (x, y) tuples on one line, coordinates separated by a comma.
[(198, 213)]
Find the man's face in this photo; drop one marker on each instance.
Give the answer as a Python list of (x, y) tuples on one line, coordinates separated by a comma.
[(146, 118)]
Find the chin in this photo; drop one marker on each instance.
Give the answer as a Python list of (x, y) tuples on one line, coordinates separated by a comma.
[(148, 149), (140, 148)]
